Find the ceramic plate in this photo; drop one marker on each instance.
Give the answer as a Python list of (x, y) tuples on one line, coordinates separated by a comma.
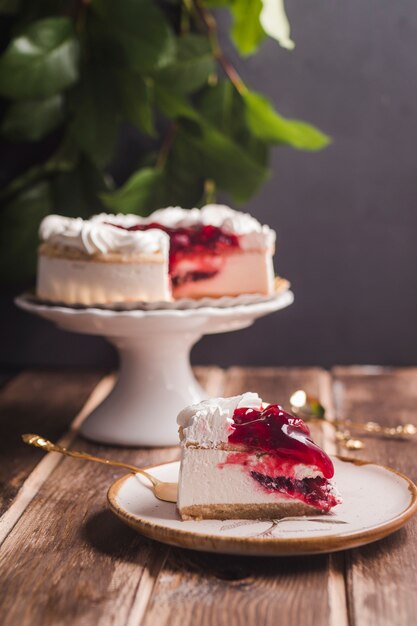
[(377, 501)]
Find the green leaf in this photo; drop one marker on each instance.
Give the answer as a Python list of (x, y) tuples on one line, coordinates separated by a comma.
[(268, 125), (183, 178), (141, 194), (20, 220), (41, 61), (192, 67), (216, 4), (76, 192), (220, 156), (227, 163), (30, 120), (137, 100), (223, 107), (9, 7), (173, 105), (254, 20), (275, 23), (143, 31), (97, 115), (63, 160), (247, 32)]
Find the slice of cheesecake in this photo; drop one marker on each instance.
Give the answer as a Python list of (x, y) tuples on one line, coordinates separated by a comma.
[(174, 253), (244, 459)]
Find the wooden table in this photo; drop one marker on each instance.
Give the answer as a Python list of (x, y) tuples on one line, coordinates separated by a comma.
[(66, 559)]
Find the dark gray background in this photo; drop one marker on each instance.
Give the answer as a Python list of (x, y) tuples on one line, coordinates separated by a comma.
[(346, 217)]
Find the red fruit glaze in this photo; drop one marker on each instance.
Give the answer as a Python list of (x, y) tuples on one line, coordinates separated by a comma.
[(280, 434), (197, 244), (200, 238)]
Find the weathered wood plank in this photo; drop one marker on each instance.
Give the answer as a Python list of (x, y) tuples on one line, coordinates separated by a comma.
[(211, 379), (381, 576), (197, 588), (6, 375), (49, 462), (36, 401), (69, 560)]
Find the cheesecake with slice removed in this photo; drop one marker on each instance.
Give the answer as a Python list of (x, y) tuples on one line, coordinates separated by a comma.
[(243, 459), (174, 253)]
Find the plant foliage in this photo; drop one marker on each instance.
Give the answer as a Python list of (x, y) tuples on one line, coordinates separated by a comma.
[(72, 73)]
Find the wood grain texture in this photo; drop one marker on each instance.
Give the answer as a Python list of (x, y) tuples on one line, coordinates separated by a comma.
[(36, 401), (197, 588), (6, 375), (211, 379), (381, 577), (69, 560), (34, 482)]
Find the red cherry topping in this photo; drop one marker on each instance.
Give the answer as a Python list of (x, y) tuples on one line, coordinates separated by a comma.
[(194, 243), (280, 434)]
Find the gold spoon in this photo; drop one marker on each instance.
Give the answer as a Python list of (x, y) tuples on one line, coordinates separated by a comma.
[(309, 408), (162, 490)]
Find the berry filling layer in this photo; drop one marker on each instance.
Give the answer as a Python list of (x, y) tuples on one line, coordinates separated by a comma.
[(276, 450), (195, 252), (317, 492)]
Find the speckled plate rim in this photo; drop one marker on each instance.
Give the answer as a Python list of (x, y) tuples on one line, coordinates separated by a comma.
[(255, 546)]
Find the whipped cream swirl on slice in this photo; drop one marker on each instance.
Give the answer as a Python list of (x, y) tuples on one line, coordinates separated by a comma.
[(208, 423), (94, 236)]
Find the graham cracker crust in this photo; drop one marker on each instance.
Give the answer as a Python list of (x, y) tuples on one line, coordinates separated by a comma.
[(247, 511), (72, 254)]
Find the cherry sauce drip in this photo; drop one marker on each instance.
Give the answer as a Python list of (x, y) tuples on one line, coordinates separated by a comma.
[(190, 242), (280, 434), (193, 240)]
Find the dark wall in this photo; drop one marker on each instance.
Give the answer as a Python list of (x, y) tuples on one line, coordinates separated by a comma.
[(346, 218)]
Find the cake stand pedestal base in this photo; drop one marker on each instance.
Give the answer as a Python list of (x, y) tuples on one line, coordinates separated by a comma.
[(155, 382), (155, 379)]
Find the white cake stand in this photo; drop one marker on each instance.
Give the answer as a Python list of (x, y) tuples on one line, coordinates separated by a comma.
[(155, 378)]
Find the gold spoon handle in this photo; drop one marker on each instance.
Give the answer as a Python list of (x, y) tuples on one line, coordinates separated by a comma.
[(310, 409), (401, 430), (40, 442)]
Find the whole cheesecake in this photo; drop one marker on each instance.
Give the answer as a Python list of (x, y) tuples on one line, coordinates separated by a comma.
[(173, 253), (244, 459)]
